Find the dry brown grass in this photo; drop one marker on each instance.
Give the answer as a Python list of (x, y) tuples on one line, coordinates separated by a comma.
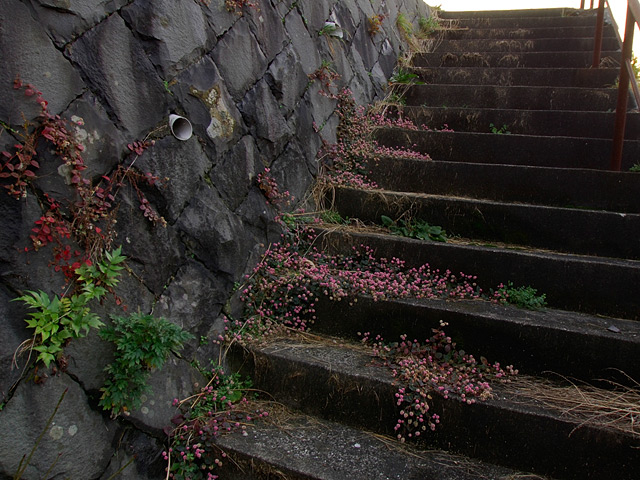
[(616, 408)]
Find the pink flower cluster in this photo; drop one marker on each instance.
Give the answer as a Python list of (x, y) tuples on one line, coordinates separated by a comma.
[(435, 366)]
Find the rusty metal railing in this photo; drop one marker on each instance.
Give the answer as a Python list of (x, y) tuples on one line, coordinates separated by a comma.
[(627, 75)]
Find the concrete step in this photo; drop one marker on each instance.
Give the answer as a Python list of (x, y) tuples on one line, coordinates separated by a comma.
[(520, 122), (513, 59), (558, 152), (515, 97), (310, 448), (592, 189), (558, 44), (525, 33), (341, 384), (535, 342), (523, 22), (519, 13), (561, 77), (536, 226), (592, 285)]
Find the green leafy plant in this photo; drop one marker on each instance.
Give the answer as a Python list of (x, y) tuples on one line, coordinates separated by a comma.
[(503, 130), (331, 216), (428, 26), (405, 77), (396, 99), (415, 229), (523, 297), (635, 168), (404, 25), (143, 343), (330, 29), (56, 320)]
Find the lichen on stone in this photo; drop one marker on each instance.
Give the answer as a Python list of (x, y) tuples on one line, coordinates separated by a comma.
[(222, 123)]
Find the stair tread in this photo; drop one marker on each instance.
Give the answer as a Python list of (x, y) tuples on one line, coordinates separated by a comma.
[(312, 448), (571, 123), (340, 382), (523, 150), (535, 341), (526, 184), (595, 285)]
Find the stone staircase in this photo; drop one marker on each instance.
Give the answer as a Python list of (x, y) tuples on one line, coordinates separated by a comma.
[(535, 207)]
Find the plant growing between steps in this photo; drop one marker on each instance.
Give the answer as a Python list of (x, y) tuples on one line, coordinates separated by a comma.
[(346, 163), (405, 77), (503, 130), (433, 367), (522, 297), (415, 229), (224, 405)]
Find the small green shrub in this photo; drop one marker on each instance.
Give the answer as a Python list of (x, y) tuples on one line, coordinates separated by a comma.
[(428, 26), (331, 216), (503, 130), (522, 297), (142, 342), (415, 229), (635, 168), (404, 25), (405, 77)]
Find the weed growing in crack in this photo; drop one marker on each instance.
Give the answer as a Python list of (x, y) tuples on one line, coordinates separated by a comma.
[(57, 320), (522, 297), (503, 130), (346, 163), (236, 6), (270, 189), (222, 406), (142, 343), (88, 219), (405, 77), (415, 229), (284, 288), (434, 367), (375, 23)]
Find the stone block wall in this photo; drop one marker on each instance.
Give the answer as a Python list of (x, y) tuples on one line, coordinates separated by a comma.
[(123, 66)]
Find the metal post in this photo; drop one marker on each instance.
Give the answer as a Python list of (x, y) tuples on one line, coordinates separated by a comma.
[(581, 4), (623, 94), (597, 47)]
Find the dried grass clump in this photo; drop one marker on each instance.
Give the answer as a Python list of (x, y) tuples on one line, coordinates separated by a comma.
[(617, 408)]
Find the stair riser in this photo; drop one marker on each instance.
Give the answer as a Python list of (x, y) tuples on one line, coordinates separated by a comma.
[(526, 33), (524, 22), (516, 98), (569, 283), (513, 59), (558, 229), (522, 122), (526, 45), (581, 348), (543, 186), (490, 430), (589, 78), (559, 152), (525, 13)]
